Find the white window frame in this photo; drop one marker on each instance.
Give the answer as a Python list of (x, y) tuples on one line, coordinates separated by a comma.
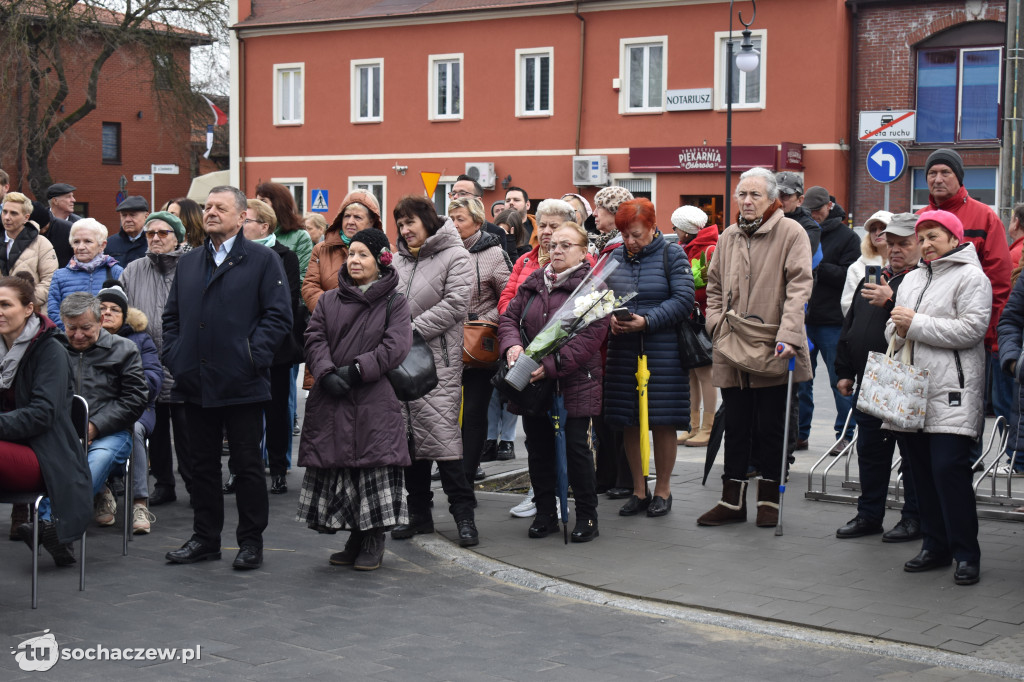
[(916, 207), (521, 56), (624, 45), (616, 178), (291, 184), (447, 182), (432, 84), (721, 38), (279, 69), (357, 66), (355, 180)]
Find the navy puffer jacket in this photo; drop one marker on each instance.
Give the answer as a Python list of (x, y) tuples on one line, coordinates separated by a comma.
[(1011, 350), (664, 302)]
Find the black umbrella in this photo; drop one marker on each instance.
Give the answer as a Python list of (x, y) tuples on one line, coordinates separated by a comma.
[(714, 441)]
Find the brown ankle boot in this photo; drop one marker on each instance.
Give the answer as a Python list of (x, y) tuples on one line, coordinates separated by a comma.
[(767, 503), (699, 438), (732, 508), (20, 513)]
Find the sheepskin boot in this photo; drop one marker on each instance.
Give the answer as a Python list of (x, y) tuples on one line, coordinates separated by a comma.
[(700, 438), (732, 508), (767, 503)]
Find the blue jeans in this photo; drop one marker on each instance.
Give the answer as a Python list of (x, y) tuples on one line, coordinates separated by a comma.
[(104, 454), (825, 339), (501, 424)]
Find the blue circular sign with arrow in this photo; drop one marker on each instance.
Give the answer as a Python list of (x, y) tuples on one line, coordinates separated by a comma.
[(886, 161)]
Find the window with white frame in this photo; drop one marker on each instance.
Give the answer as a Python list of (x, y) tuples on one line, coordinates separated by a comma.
[(643, 74), (982, 183), (640, 186), (534, 68), (444, 187), (367, 90), (445, 82), (297, 186), (748, 87), (375, 186), (288, 86)]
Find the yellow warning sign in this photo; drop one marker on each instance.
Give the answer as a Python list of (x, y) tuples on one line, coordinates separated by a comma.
[(430, 181)]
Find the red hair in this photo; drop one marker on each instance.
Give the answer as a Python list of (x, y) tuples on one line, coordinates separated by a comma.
[(635, 210)]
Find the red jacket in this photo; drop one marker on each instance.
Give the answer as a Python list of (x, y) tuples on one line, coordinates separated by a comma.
[(983, 228), (523, 268), (704, 242)]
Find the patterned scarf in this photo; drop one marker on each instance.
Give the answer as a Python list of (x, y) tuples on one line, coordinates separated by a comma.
[(749, 227), (102, 260)]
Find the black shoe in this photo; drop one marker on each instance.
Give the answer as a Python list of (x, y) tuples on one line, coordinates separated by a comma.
[(489, 452), (858, 527), (543, 526), (278, 485), (468, 535), (660, 506), (967, 572), (585, 530), (480, 474), (418, 525), (63, 555), (506, 451), (193, 551), (161, 495), (926, 561), (619, 493), (635, 505), (229, 485), (838, 447), (248, 558), (904, 531)]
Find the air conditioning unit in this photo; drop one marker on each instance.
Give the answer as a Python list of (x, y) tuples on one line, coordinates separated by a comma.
[(589, 170), (482, 172)]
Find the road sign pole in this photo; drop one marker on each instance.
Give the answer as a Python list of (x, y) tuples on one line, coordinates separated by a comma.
[(886, 197), (152, 189)]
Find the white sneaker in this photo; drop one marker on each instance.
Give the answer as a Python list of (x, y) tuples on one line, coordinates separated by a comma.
[(526, 508), (104, 508), (142, 518), (1004, 471)]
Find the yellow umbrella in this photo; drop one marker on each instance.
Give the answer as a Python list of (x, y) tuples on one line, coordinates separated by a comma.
[(643, 376)]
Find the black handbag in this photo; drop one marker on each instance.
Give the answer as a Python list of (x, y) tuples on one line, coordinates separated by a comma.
[(533, 400), (691, 335), (417, 375)]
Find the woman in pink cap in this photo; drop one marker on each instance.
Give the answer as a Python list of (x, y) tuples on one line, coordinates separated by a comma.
[(943, 308)]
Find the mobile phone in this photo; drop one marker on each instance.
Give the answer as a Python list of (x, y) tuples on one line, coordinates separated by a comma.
[(622, 314), (873, 274)]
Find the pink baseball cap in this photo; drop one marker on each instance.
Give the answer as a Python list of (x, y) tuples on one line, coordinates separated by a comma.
[(944, 218)]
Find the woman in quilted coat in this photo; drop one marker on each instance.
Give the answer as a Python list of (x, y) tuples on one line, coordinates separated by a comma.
[(943, 307), (436, 277)]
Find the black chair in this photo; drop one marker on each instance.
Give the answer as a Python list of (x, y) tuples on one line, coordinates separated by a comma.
[(80, 418)]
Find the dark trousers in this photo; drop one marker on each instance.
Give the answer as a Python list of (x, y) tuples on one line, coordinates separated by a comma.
[(754, 422), (461, 499), (579, 465), (278, 419), (875, 447), (476, 399), (941, 466), (244, 425), (161, 456), (612, 467)]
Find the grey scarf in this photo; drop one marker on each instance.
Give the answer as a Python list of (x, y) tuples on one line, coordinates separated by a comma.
[(11, 357)]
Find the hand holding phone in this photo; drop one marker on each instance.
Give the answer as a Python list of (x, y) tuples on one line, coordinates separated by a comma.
[(622, 314)]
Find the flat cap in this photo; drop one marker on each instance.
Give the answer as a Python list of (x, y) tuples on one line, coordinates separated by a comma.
[(59, 189), (815, 198), (135, 203)]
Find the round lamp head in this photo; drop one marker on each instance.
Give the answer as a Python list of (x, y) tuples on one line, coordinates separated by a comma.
[(748, 59)]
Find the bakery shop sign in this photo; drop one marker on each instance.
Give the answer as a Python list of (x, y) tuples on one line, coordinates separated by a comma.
[(698, 159)]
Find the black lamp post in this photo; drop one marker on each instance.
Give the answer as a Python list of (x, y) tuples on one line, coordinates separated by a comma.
[(747, 60)]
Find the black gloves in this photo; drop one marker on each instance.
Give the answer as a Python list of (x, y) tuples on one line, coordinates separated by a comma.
[(339, 382)]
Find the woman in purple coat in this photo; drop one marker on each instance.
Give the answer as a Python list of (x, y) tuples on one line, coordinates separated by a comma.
[(353, 441), (577, 367)]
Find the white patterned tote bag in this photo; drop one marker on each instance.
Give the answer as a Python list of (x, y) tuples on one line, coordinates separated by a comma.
[(894, 390)]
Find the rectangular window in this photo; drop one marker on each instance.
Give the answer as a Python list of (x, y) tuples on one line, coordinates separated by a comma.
[(375, 186), (111, 142), (982, 183), (288, 86), (643, 80), (367, 90), (445, 86), (747, 86), (640, 186), (958, 94), (536, 89), (441, 196), (297, 186)]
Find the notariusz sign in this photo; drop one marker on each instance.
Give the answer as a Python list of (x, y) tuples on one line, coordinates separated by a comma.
[(688, 100)]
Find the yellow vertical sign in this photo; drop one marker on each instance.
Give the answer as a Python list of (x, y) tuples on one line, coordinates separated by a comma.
[(430, 181)]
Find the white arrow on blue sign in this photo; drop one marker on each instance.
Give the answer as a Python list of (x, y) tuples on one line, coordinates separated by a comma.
[(886, 161)]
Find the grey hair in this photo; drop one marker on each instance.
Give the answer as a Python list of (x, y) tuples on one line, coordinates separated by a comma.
[(79, 303), (771, 185), (556, 207), (98, 229), (240, 198)]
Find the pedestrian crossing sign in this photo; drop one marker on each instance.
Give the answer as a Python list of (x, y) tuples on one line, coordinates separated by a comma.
[(320, 201)]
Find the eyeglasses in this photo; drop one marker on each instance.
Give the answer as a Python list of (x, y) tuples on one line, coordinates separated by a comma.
[(562, 246), (461, 193), (152, 234)]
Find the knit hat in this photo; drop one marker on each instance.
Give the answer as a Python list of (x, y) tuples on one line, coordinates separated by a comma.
[(172, 220), (377, 242), (583, 200), (610, 198), (689, 219), (944, 218), (947, 157), (113, 293)]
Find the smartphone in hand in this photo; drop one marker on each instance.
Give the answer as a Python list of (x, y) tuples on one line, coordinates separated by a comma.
[(873, 274), (622, 314)]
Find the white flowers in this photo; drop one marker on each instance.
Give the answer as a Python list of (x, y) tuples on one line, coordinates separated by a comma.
[(593, 306)]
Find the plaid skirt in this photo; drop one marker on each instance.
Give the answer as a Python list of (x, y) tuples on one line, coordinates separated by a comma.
[(355, 499)]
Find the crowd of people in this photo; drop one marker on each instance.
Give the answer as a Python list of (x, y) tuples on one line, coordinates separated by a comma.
[(186, 330)]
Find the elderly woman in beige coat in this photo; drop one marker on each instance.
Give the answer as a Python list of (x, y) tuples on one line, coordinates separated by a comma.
[(435, 276), (762, 270)]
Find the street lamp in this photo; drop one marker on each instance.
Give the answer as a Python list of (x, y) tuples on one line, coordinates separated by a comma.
[(747, 60)]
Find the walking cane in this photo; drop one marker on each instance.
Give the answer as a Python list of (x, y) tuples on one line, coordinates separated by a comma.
[(785, 439)]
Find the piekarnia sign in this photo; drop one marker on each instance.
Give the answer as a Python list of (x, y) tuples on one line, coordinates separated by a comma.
[(698, 159)]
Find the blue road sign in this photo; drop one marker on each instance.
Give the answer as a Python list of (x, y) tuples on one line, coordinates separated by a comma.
[(319, 201), (886, 161)]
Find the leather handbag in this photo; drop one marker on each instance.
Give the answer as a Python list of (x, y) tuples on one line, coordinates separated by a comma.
[(748, 344), (417, 375), (535, 398), (691, 335), (480, 344)]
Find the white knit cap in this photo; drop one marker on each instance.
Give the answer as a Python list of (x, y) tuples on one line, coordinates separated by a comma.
[(689, 219)]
